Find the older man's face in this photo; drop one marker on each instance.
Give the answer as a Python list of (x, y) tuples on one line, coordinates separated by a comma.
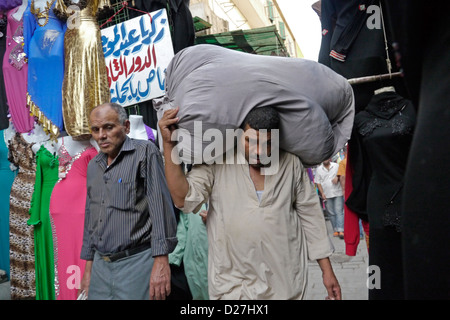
[(107, 131)]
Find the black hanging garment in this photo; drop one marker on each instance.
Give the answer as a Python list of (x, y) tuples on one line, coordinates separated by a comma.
[(182, 32), (4, 121), (384, 132), (353, 49), (422, 33), (180, 19)]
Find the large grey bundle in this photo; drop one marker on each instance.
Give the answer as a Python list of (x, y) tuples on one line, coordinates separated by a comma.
[(219, 86)]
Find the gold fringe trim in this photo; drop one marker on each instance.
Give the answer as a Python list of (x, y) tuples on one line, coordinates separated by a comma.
[(47, 125)]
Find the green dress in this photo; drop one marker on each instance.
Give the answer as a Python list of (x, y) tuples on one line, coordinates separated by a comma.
[(46, 178)]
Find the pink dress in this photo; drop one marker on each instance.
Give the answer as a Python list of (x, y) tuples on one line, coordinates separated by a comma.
[(67, 206), (15, 72)]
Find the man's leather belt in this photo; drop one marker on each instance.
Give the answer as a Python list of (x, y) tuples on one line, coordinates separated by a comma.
[(126, 253)]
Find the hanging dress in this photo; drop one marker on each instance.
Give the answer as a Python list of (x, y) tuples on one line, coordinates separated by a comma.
[(44, 47), (6, 180), (4, 122), (384, 130), (15, 72), (6, 5), (85, 83), (46, 178), (21, 234), (67, 205)]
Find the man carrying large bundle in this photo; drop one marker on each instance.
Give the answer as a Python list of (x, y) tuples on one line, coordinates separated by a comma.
[(262, 229)]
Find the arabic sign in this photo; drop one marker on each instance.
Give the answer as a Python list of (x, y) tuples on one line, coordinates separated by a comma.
[(137, 53)]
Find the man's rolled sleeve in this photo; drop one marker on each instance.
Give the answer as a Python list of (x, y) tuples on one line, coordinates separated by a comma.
[(200, 180)]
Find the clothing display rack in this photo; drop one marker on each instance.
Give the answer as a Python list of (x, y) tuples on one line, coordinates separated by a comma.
[(379, 77), (375, 78)]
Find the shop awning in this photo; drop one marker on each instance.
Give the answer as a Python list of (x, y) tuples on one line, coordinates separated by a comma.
[(200, 24), (265, 41)]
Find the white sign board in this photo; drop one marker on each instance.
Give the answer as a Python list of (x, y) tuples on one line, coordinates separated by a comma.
[(137, 53)]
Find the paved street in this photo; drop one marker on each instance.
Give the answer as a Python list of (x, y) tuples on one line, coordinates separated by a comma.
[(350, 271)]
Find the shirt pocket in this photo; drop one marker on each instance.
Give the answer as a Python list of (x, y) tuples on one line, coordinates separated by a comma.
[(123, 196)]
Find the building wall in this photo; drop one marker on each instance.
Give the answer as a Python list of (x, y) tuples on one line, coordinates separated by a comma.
[(201, 9), (244, 14)]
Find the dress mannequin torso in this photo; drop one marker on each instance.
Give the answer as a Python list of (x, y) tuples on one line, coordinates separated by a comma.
[(19, 13), (72, 146), (41, 5), (69, 150), (137, 128), (8, 133), (37, 136), (384, 89), (94, 144)]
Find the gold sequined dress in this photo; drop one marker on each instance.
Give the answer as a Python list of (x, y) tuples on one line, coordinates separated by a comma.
[(85, 83)]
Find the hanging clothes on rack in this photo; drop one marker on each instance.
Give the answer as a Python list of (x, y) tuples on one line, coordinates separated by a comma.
[(6, 5), (180, 19), (383, 135), (15, 71), (46, 178), (361, 53), (67, 204), (422, 35), (182, 33), (352, 49), (374, 78), (85, 83), (7, 176), (4, 121), (343, 26), (21, 235), (44, 47)]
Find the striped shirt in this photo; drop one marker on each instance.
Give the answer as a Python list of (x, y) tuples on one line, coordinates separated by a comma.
[(128, 203)]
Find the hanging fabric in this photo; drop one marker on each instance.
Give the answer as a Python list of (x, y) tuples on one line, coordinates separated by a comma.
[(380, 77)]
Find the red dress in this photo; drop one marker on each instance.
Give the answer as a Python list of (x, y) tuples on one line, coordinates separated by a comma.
[(351, 218)]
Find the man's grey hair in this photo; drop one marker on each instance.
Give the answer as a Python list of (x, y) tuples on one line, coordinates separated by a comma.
[(121, 112)]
